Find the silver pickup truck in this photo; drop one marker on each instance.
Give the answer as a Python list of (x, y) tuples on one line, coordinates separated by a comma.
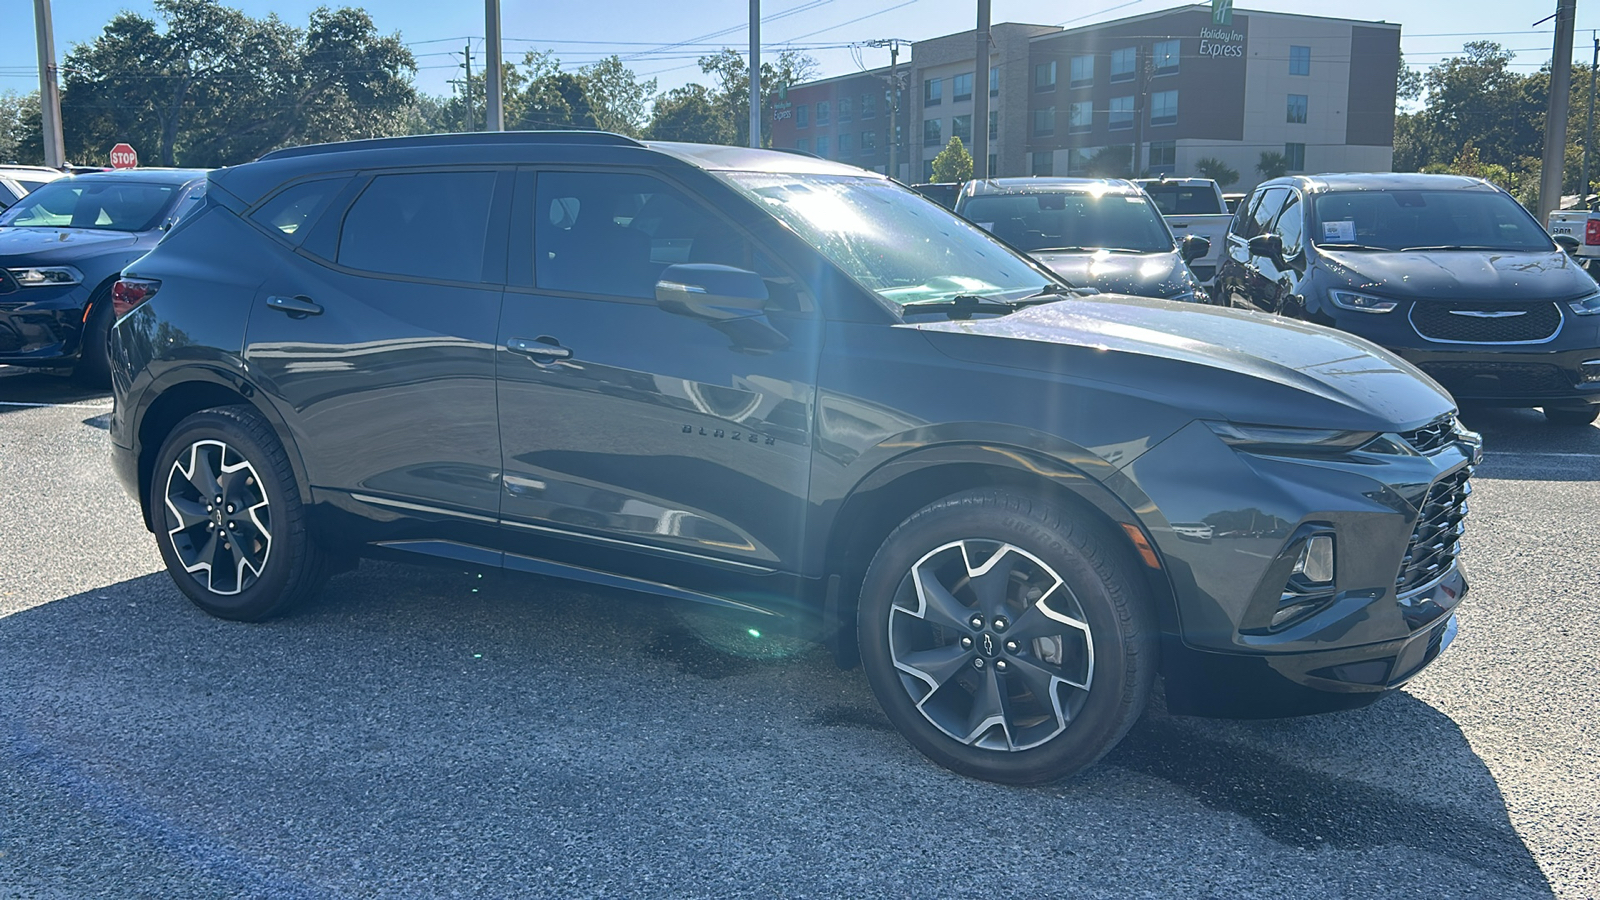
[(1193, 206)]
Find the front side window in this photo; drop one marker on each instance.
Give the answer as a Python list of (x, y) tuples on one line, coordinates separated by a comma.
[(1297, 108), (1296, 154), (108, 205), (961, 87), (1121, 112), (422, 224), (1082, 71), (1477, 219), (1044, 121), (1164, 56), (1057, 220), (1291, 226), (1044, 76), (1123, 63), (889, 239), (932, 92), (1164, 108), (1080, 117), (1265, 209), (1299, 60), (932, 133)]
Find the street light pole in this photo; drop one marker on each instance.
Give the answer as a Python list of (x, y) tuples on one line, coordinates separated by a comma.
[(494, 86), (1588, 128), (755, 73), (980, 98), (55, 154), (1555, 123)]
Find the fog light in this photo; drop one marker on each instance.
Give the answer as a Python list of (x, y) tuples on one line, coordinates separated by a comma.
[(1590, 370), (1315, 565)]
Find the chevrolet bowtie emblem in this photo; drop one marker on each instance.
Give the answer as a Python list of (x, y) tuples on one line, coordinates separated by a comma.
[(1489, 313)]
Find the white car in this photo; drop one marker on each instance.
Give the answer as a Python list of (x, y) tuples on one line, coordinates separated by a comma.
[(16, 181)]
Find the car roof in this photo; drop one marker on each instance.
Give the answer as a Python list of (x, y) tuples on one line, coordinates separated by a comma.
[(30, 171), (146, 176), (1048, 184), (1380, 181), (1179, 182)]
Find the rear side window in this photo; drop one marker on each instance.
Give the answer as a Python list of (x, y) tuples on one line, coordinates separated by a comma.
[(423, 224), (291, 212)]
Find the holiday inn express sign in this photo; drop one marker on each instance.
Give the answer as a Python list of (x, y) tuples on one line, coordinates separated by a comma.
[(1220, 40)]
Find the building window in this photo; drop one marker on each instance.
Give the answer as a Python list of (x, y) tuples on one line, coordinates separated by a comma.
[(869, 142), (1044, 121), (1121, 112), (1163, 157), (1296, 154), (822, 145), (1164, 56), (994, 81), (1082, 71), (802, 115), (994, 165), (1164, 108), (961, 127), (994, 124), (1044, 76), (822, 113), (1080, 117), (869, 106), (803, 145), (1123, 63), (1042, 162), (932, 92), (932, 133), (1299, 60), (1077, 160), (1297, 108), (844, 109), (927, 170), (844, 145), (961, 87)]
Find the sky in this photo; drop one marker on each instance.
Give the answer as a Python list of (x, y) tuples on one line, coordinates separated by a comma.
[(663, 39)]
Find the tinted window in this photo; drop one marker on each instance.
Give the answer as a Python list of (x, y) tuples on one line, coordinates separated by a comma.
[(114, 206), (1397, 220), (291, 211), (1291, 226), (425, 224), (1072, 220), (1177, 200), (614, 234), (1263, 211)]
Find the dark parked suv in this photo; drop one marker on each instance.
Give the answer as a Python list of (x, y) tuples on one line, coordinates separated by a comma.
[(1449, 272), (795, 389)]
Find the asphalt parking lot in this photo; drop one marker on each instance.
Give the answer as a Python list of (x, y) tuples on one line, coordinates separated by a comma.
[(429, 732)]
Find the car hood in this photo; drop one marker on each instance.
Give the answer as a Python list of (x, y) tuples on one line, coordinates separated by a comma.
[(1497, 275), (1138, 274), (1209, 361), (62, 245)]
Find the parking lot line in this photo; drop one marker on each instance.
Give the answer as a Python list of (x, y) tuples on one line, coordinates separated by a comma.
[(62, 405)]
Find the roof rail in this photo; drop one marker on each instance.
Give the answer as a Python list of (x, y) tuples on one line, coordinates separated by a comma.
[(477, 139)]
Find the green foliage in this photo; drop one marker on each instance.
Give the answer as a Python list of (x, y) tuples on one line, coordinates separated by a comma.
[(953, 163), (211, 86), (1272, 165), (689, 114), (1217, 170), (20, 140), (617, 99), (1115, 161), (730, 93)]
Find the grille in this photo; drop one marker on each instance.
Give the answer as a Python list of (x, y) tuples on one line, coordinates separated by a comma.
[(7, 283), (1431, 437), (1438, 321), (1472, 378), (1436, 540)]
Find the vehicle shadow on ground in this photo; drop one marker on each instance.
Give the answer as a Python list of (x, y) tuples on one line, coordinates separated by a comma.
[(22, 386), (1520, 444), (426, 731)]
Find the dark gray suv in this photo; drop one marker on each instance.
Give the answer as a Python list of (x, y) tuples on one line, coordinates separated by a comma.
[(794, 389)]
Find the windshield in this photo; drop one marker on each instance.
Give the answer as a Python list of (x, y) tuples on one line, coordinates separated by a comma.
[(1072, 220), (1400, 220), (889, 239), (116, 206), (1177, 200)]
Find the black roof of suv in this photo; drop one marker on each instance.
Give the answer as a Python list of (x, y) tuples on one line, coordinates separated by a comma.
[(797, 391)]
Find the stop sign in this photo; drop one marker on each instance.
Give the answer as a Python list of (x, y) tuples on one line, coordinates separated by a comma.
[(123, 156)]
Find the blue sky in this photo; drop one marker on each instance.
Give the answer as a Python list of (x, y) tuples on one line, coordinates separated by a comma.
[(662, 39)]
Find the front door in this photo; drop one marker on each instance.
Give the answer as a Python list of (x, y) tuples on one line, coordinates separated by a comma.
[(636, 439)]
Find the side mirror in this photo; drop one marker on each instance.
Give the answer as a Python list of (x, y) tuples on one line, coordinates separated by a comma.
[(1267, 245), (1193, 247), (712, 292), (1568, 243)]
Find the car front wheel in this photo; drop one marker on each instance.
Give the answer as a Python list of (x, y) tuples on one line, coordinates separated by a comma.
[(1006, 638)]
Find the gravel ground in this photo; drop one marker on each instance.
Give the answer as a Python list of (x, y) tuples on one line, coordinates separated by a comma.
[(429, 732)]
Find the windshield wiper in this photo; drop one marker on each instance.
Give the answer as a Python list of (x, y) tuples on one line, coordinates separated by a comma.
[(1050, 292), (1349, 247), (961, 306), (1450, 247)]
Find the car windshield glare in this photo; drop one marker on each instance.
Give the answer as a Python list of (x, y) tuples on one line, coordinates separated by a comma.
[(1072, 219), (1397, 220), (892, 241), (114, 206)]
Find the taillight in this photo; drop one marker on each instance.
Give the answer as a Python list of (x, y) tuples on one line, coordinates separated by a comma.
[(1591, 231), (128, 294)]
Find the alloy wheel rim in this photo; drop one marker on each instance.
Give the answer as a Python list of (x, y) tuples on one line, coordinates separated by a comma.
[(218, 519), (991, 645)]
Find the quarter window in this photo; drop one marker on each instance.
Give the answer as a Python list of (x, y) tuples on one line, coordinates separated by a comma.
[(290, 213), (424, 224)]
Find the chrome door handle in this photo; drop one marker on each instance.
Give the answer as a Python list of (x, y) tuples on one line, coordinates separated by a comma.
[(296, 307), (543, 349)]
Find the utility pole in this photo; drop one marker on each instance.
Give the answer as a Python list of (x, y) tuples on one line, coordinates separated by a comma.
[(495, 86), (894, 100), (755, 73), (1588, 128), (1141, 106), (1555, 123), (55, 154), (467, 88), (980, 98)]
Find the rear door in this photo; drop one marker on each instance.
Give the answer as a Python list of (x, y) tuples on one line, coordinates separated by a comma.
[(375, 335)]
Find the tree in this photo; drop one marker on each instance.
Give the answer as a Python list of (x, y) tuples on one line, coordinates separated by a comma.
[(1408, 82), (552, 98), (953, 163), (1272, 165), (616, 97), (731, 92), (689, 114), (1217, 170), (21, 142), (211, 86), (1115, 161)]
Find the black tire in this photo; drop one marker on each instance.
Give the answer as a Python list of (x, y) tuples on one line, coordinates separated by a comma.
[(1106, 668), (93, 368), (267, 545), (1571, 415)]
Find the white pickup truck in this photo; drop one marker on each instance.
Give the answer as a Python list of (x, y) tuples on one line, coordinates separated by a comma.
[(1583, 226), (1193, 206)]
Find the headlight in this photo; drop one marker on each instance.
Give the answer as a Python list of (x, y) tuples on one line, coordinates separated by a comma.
[(1588, 306), (1272, 439), (1361, 302), (45, 276)]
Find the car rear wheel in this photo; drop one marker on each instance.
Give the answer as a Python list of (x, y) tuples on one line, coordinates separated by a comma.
[(228, 516), (1571, 415), (1006, 639)]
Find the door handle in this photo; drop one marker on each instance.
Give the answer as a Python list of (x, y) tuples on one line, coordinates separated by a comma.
[(543, 349), (296, 307)]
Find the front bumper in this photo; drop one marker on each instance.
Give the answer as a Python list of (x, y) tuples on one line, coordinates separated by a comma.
[(42, 326)]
